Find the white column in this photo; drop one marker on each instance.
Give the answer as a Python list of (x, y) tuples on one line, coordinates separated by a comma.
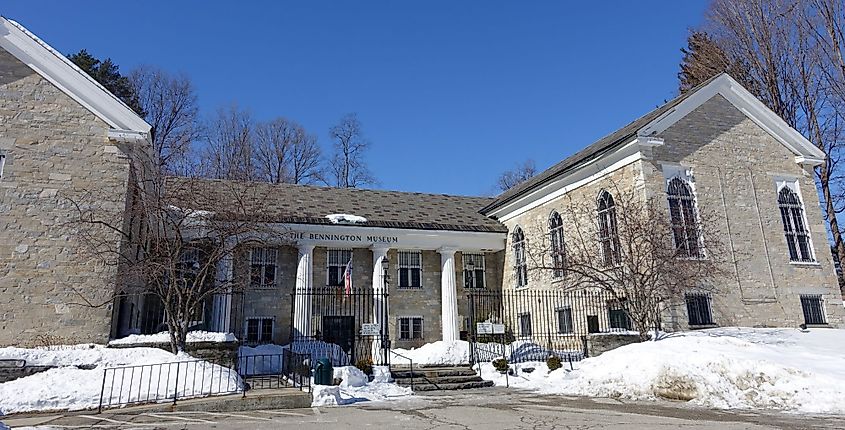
[(449, 294), (379, 307), (304, 282)]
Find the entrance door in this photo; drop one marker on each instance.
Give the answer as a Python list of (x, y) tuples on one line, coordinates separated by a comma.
[(340, 330)]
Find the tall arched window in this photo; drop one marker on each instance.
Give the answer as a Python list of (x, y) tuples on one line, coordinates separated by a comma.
[(608, 233), (685, 228), (520, 266), (557, 246), (797, 236)]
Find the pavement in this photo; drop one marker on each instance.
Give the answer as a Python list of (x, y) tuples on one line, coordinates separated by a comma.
[(488, 409)]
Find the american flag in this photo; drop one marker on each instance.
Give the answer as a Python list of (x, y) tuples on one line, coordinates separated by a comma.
[(347, 278)]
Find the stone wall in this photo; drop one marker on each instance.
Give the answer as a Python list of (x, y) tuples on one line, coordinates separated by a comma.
[(56, 150), (222, 353), (598, 344)]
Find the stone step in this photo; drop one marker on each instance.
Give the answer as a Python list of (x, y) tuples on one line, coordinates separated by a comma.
[(439, 380), (431, 372), (452, 386)]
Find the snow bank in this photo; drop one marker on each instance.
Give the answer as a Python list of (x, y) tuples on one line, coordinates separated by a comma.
[(346, 219), (440, 352), (725, 368), (261, 359), (71, 388), (355, 388), (164, 337)]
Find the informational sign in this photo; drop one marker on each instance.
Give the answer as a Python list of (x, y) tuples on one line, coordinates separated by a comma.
[(370, 329), (484, 328), (498, 329)]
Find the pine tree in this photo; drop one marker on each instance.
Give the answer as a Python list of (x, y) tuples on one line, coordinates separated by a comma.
[(108, 75), (703, 59)]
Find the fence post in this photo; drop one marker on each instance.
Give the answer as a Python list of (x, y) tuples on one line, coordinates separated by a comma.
[(176, 386), (102, 391)]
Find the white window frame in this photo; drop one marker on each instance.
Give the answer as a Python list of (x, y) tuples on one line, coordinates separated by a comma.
[(612, 256), (260, 332), (793, 185), (336, 260), (822, 309), (411, 331), (2, 164), (520, 260), (557, 245), (685, 174), (475, 257), (269, 256), (519, 318), (403, 261), (571, 319)]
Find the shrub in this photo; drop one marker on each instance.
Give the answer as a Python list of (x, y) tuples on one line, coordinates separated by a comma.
[(365, 365), (501, 364), (554, 362)]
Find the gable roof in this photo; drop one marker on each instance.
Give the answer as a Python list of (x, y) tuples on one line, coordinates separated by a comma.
[(69, 78), (661, 118), (308, 204)]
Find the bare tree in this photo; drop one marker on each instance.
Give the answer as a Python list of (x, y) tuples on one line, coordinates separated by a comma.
[(174, 237), (230, 148), (170, 103), (347, 166), (519, 174), (631, 246), (286, 153)]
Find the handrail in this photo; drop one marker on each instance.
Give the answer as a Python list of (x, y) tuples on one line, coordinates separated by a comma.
[(409, 361)]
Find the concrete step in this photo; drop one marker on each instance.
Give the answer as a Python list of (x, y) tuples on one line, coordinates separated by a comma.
[(431, 372), (439, 380), (452, 386)]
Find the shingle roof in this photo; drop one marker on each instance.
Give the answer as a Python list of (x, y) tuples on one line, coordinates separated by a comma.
[(307, 204), (595, 150)]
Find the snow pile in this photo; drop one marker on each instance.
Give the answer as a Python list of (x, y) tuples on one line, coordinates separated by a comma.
[(440, 352), (164, 337), (71, 388), (723, 368), (354, 387), (318, 349), (261, 359), (346, 219)]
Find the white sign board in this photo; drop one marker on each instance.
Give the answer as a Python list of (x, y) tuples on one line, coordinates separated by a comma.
[(370, 329), (484, 328), (498, 329)]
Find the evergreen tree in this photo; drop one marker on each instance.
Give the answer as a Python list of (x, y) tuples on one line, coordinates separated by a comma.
[(703, 59), (108, 75)]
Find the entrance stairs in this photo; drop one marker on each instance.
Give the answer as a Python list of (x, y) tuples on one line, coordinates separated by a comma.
[(431, 378)]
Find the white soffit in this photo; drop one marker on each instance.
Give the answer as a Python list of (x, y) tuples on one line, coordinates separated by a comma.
[(65, 75)]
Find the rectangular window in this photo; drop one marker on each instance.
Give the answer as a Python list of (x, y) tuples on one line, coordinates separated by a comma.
[(564, 320), (474, 272), (410, 328), (813, 307), (410, 269), (262, 267), (336, 261), (698, 309), (525, 328), (2, 164), (259, 330), (618, 316)]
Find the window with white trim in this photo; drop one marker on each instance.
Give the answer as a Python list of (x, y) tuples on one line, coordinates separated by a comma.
[(410, 269), (682, 214), (262, 267), (410, 328), (520, 265), (794, 226), (474, 271), (336, 261), (617, 315), (259, 330), (813, 307), (2, 164), (525, 326), (608, 231), (557, 245), (564, 320)]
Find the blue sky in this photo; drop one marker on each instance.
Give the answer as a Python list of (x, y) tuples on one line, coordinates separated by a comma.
[(450, 93)]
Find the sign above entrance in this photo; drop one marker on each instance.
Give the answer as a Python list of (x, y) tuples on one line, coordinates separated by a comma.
[(370, 329), (351, 238)]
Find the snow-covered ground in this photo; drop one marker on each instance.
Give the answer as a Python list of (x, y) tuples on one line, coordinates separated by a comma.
[(355, 388), (164, 337), (725, 368), (70, 388)]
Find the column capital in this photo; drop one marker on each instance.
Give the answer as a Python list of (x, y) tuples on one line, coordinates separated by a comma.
[(448, 250), (380, 248), (305, 247)]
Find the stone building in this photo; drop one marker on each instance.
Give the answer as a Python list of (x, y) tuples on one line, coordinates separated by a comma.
[(419, 255)]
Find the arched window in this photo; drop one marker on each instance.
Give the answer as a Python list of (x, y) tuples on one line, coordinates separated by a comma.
[(520, 266), (557, 246), (685, 228), (797, 236), (608, 233)]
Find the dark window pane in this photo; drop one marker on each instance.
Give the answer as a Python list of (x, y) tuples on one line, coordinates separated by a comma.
[(416, 280), (267, 330)]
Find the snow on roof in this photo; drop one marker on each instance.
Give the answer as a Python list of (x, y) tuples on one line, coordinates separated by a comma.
[(346, 219)]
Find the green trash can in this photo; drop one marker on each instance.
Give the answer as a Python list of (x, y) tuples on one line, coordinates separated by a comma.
[(323, 372)]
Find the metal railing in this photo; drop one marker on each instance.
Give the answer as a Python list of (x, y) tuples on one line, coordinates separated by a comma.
[(296, 367), (166, 382), (410, 365)]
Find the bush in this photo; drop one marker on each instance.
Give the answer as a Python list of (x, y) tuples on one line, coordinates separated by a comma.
[(365, 365), (501, 364), (554, 362)]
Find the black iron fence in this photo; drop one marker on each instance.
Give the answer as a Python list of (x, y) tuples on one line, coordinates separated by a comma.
[(345, 327), (530, 325), (143, 313)]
